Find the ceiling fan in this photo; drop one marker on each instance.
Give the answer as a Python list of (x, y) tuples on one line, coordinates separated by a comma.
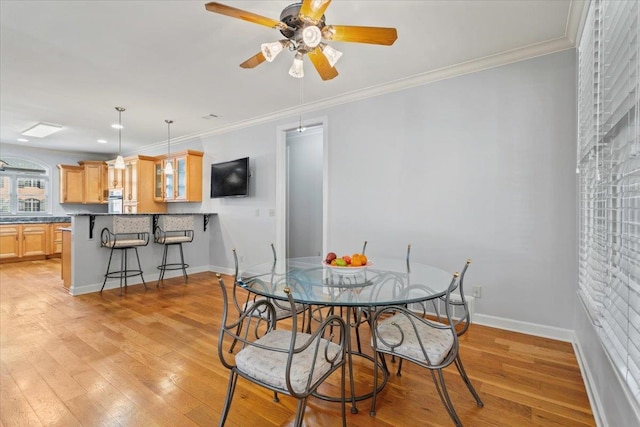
[(303, 25)]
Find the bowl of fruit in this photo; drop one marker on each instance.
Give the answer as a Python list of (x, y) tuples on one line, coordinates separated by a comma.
[(346, 264)]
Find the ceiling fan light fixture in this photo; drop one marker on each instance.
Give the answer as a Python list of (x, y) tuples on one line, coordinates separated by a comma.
[(311, 36), (271, 50), (332, 55), (297, 68)]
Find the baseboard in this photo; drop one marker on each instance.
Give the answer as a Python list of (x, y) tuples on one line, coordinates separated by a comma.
[(560, 334), (148, 277), (589, 384)]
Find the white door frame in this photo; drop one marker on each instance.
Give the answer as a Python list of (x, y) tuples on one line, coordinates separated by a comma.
[(281, 182)]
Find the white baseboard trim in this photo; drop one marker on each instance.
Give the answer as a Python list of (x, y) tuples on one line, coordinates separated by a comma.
[(222, 270), (589, 384), (134, 281), (552, 332)]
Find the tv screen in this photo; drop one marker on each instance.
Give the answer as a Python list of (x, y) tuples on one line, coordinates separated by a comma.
[(230, 179)]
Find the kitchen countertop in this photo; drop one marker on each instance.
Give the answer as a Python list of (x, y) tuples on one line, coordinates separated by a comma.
[(33, 219), (150, 213)]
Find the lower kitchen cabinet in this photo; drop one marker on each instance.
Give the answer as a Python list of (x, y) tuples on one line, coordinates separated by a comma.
[(20, 242)]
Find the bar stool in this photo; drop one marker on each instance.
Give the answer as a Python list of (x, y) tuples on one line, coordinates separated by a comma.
[(173, 230), (129, 232)]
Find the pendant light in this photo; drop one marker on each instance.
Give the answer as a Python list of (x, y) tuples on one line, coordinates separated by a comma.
[(119, 160), (168, 167)]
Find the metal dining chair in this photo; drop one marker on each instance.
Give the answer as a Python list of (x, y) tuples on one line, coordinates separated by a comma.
[(411, 336), (460, 319), (285, 361), (242, 301)]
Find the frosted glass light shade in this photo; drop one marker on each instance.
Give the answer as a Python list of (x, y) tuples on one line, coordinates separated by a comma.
[(297, 68), (168, 169), (312, 36), (271, 50), (119, 163), (331, 54)]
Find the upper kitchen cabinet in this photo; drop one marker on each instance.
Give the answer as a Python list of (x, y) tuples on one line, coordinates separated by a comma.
[(138, 186), (85, 183), (71, 184), (115, 177), (185, 185), (95, 181)]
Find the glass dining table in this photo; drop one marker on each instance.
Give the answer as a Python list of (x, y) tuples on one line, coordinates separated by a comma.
[(383, 282)]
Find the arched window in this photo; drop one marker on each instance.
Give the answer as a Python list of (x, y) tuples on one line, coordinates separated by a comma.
[(24, 187)]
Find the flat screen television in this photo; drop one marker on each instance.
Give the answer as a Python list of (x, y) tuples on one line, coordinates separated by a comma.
[(230, 179)]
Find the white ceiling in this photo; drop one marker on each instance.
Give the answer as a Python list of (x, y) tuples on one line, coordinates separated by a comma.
[(72, 62)]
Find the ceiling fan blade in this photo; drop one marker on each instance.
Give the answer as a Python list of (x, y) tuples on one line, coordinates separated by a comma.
[(314, 9), (349, 33), (242, 14), (326, 71), (254, 61)]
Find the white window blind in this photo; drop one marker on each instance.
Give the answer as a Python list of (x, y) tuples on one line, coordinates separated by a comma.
[(609, 168)]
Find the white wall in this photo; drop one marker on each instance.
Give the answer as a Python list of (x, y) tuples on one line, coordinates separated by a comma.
[(480, 166)]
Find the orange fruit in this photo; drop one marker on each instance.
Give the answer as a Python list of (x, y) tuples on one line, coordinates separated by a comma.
[(363, 259)]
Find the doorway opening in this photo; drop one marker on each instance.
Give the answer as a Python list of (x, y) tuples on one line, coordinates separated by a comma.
[(301, 183)]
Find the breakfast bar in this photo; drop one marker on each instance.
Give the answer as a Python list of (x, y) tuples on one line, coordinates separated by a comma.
[(88, 259)]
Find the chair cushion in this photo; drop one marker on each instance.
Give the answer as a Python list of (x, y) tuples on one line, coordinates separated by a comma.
[(269, 367), (125, 243), (174, 239), (281, 312), (437, 342)]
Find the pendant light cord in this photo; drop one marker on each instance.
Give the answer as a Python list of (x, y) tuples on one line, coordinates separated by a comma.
[(300, 128), (120, 110), (168, 122)]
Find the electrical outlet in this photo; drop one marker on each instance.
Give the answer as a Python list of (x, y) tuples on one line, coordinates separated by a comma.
[(477, 291)]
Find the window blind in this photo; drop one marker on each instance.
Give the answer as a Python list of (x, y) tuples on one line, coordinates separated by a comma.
[(608, 156)]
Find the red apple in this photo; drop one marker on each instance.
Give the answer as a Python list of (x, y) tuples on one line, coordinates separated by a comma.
[(330, 257)]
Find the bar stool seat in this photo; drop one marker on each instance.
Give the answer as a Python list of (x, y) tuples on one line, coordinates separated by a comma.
[(128, 232), (173, 230)]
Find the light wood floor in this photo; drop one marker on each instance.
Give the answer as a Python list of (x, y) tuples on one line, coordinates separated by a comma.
[(149, 359)]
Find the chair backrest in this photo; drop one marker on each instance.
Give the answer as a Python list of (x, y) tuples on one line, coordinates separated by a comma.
[(253, 328), (176, 222), (131, 224), (327, 343), (465, 318), (408, 334)]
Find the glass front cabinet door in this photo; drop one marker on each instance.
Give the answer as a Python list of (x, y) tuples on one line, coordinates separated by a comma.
[(158, 189), (180, 175), (185, 184)]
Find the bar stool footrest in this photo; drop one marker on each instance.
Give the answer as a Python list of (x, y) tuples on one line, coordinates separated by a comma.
[(173, 266)]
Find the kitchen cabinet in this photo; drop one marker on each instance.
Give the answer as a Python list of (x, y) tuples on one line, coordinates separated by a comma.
[(71, 184), (138, 186), (185, 185), (115, 177), (95, 181), (23, 240), (55, 237)]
